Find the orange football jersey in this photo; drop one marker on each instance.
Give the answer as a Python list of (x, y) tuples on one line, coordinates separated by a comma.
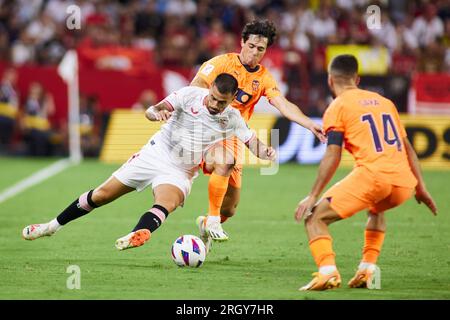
[(252, 83), (373, 134)]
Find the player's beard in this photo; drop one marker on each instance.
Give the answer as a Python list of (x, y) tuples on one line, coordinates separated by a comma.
[(213, 111)]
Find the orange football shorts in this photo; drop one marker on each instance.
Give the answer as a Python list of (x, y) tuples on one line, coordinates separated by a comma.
[(362, 189)]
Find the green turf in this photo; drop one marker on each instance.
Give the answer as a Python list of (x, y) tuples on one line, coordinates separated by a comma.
[(13, 170), (267, 256)]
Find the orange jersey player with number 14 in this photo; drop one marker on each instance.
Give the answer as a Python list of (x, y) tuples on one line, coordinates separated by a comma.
[(254, 81), (385, 175)]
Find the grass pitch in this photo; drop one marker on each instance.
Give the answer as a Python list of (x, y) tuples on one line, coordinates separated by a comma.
[(267, 256)]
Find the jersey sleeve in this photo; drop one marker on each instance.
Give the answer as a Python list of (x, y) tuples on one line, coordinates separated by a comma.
[(174, 100), (271, 89), (211, 69), (332, 118), (177, 99), (241, 130)]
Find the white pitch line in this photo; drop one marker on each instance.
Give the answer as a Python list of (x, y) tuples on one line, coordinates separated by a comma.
[(35, 178)]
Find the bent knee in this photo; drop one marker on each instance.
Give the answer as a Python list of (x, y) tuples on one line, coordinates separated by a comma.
[(315, 219), (310, 221)]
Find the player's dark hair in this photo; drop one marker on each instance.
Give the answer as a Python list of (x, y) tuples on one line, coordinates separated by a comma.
[(226, 83), (344, 65), (264, 28)]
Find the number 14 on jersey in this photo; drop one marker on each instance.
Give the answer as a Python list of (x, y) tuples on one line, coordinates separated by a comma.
[(390, 132)]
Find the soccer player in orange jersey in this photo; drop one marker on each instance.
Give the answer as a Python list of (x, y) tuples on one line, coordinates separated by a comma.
[(254, 81), (386, 174)]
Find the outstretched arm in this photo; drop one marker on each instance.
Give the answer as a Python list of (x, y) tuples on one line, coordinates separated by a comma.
[(422, 195), (327, 168), (261, 150), (159, 112), (293, 113)]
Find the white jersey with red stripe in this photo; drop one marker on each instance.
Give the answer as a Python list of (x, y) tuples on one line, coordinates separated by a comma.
[(192, 129)]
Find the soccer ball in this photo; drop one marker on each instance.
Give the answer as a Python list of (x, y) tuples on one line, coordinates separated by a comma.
[(188, 251)]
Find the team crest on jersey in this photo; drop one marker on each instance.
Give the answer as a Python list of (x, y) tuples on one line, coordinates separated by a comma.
[(194, 111), (255, 85), (223, 121)]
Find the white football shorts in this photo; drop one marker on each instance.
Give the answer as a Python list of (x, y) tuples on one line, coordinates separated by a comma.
[(152, 166)]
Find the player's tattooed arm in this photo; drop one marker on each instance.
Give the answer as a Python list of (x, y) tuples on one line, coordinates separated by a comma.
[(261, 150), (159, 112)]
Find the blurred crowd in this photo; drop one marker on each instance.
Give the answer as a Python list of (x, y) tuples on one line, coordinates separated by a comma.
[(31, 121), (185, 33)]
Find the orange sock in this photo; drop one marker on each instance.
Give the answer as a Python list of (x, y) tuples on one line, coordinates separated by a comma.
[(322, 251), (372, 245), (217, 188)]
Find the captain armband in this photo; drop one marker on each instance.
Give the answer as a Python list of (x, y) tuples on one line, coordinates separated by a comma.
[(335, 137)]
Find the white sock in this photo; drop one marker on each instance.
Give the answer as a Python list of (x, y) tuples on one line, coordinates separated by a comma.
[(212, 219), (54, 225), (366, 265), (327, 269)]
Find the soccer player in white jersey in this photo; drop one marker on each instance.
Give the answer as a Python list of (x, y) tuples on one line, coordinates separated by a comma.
[(197, 119)]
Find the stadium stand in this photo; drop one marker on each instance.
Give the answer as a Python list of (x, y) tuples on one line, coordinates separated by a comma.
[(150, 43)]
